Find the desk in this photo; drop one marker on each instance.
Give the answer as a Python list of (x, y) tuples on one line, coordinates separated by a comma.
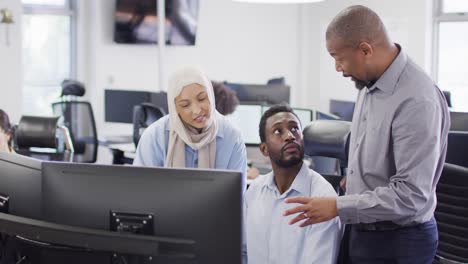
[(121, 146)]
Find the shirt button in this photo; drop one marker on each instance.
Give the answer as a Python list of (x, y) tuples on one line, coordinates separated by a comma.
[(364, 119), (351, 172)]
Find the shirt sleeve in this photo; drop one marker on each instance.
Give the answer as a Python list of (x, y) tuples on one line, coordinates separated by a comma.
[(150, 151), (238, 159), (416, 142)]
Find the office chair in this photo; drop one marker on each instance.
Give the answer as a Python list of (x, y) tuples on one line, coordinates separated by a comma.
[(327, 143), (144, 115), (457, 145), (448, 96), (277, 80), (78, 117), (42, 138), (458, 121), (452, 215), (330, 139)]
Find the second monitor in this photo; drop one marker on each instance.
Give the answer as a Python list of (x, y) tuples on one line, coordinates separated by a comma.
[(119, 104)]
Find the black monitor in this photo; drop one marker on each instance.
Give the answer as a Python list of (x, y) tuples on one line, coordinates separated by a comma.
[(20, 180), (343, 109), (268, 94), (458, 121), (199, 205), (160, 99), (119, 104)]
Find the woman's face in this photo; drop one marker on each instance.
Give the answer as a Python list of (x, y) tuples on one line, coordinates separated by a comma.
[(193, 105), (4, 139)]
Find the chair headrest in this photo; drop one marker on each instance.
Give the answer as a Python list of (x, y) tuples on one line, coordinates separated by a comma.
[(328, 138), (36, 131), (150, 113), (72, 87), (448, 96)]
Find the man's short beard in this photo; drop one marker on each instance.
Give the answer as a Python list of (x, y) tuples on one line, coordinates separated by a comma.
[(359, 84), (290, 163)]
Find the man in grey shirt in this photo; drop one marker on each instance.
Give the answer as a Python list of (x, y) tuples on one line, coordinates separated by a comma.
[(397, 148)]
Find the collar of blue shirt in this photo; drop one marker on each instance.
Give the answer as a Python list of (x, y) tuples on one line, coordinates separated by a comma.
[(387, 82), (301, 183)]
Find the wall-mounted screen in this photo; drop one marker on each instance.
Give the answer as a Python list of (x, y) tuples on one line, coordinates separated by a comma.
[(136, 22)]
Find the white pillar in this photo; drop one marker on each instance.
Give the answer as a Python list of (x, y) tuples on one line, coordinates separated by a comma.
[(161, 43)]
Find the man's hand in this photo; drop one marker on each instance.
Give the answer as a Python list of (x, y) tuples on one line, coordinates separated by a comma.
[(313, 210)]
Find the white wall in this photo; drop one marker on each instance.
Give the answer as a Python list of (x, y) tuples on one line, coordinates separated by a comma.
[(10, 63), (406, 21)]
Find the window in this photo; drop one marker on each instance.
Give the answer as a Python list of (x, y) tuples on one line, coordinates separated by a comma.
[(450, 50), (48, 52)]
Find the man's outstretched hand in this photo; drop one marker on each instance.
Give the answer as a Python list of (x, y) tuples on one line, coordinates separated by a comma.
[(312, 210)]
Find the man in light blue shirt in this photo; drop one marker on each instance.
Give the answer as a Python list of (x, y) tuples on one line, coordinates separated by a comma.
[(268, 237)]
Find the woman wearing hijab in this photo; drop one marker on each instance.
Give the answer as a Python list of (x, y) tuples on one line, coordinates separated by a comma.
[(193, 134), (6, 136)]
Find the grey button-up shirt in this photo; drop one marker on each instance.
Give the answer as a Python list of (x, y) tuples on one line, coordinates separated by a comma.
[(397, 148)]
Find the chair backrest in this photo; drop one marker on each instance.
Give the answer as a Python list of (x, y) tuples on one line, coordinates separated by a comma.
[(144, 115), (41, 137), (36, 131), (328, 142), (78, 117), (458, 121), (457, 145), (452, 214)]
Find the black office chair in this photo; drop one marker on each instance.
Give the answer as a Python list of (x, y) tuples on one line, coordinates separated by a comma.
[(78, 117), (458, 121), (448, 98), (42, 138), (330, 139), (144, 115), (452, 215), (457, 146)]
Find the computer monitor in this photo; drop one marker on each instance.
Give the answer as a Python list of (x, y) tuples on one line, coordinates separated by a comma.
[(199, 205), (20, 180), (160, 99), (268, 94), (343, 109), (247, 118), (119, 104), (304, 115), (458, 121), (325, 116)]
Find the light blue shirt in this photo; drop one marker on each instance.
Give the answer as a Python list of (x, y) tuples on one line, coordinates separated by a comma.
[(230, 148), (268, 238)]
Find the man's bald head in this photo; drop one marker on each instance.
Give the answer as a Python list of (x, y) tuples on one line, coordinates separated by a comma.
[(357, 24)]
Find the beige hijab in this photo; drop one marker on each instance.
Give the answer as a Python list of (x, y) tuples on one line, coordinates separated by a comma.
[(181, 134)]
